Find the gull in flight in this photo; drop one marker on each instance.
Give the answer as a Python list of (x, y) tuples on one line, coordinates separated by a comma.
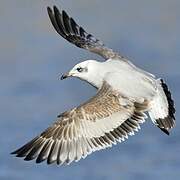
[(125, 95)]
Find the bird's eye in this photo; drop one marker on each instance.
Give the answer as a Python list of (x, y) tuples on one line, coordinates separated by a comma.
[(79, 69)]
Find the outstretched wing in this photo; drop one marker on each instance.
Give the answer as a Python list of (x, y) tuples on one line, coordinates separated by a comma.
[(75, 34), (105, 119)]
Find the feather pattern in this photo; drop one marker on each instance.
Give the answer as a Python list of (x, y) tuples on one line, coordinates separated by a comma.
[(97, 124), (75, 34), (125, 94)]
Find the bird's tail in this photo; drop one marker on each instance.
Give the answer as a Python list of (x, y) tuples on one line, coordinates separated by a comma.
[(162, 108)]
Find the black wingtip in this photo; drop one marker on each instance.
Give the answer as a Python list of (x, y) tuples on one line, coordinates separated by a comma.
[(38, 161), (49, 9), (14, 152), (28, 158), (64, 13), (17, 154), (169, 99), (165, 131), (56, 10)]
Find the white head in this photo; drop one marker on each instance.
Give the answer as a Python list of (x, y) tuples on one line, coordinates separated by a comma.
[(87, 70)]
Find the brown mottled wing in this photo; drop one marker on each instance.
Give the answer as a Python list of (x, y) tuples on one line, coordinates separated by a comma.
[(105, 119), (68, 29)]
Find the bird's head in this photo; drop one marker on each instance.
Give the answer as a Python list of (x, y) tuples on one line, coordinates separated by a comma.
[(86, 70)]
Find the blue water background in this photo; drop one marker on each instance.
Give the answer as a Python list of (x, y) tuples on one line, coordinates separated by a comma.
[(31, 57)]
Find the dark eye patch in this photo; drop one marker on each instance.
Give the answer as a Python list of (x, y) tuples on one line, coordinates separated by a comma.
[(79, 69)]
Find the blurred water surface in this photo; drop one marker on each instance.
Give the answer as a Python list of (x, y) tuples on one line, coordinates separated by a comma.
[(31, 57)]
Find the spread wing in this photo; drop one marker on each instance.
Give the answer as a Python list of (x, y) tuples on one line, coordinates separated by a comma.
[(68, 29), (105, 119)]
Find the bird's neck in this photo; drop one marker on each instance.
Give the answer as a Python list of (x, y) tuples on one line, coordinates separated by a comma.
[(96, 81), (97, 77)]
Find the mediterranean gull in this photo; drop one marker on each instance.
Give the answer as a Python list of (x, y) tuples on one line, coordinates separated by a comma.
[(125, 95)]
